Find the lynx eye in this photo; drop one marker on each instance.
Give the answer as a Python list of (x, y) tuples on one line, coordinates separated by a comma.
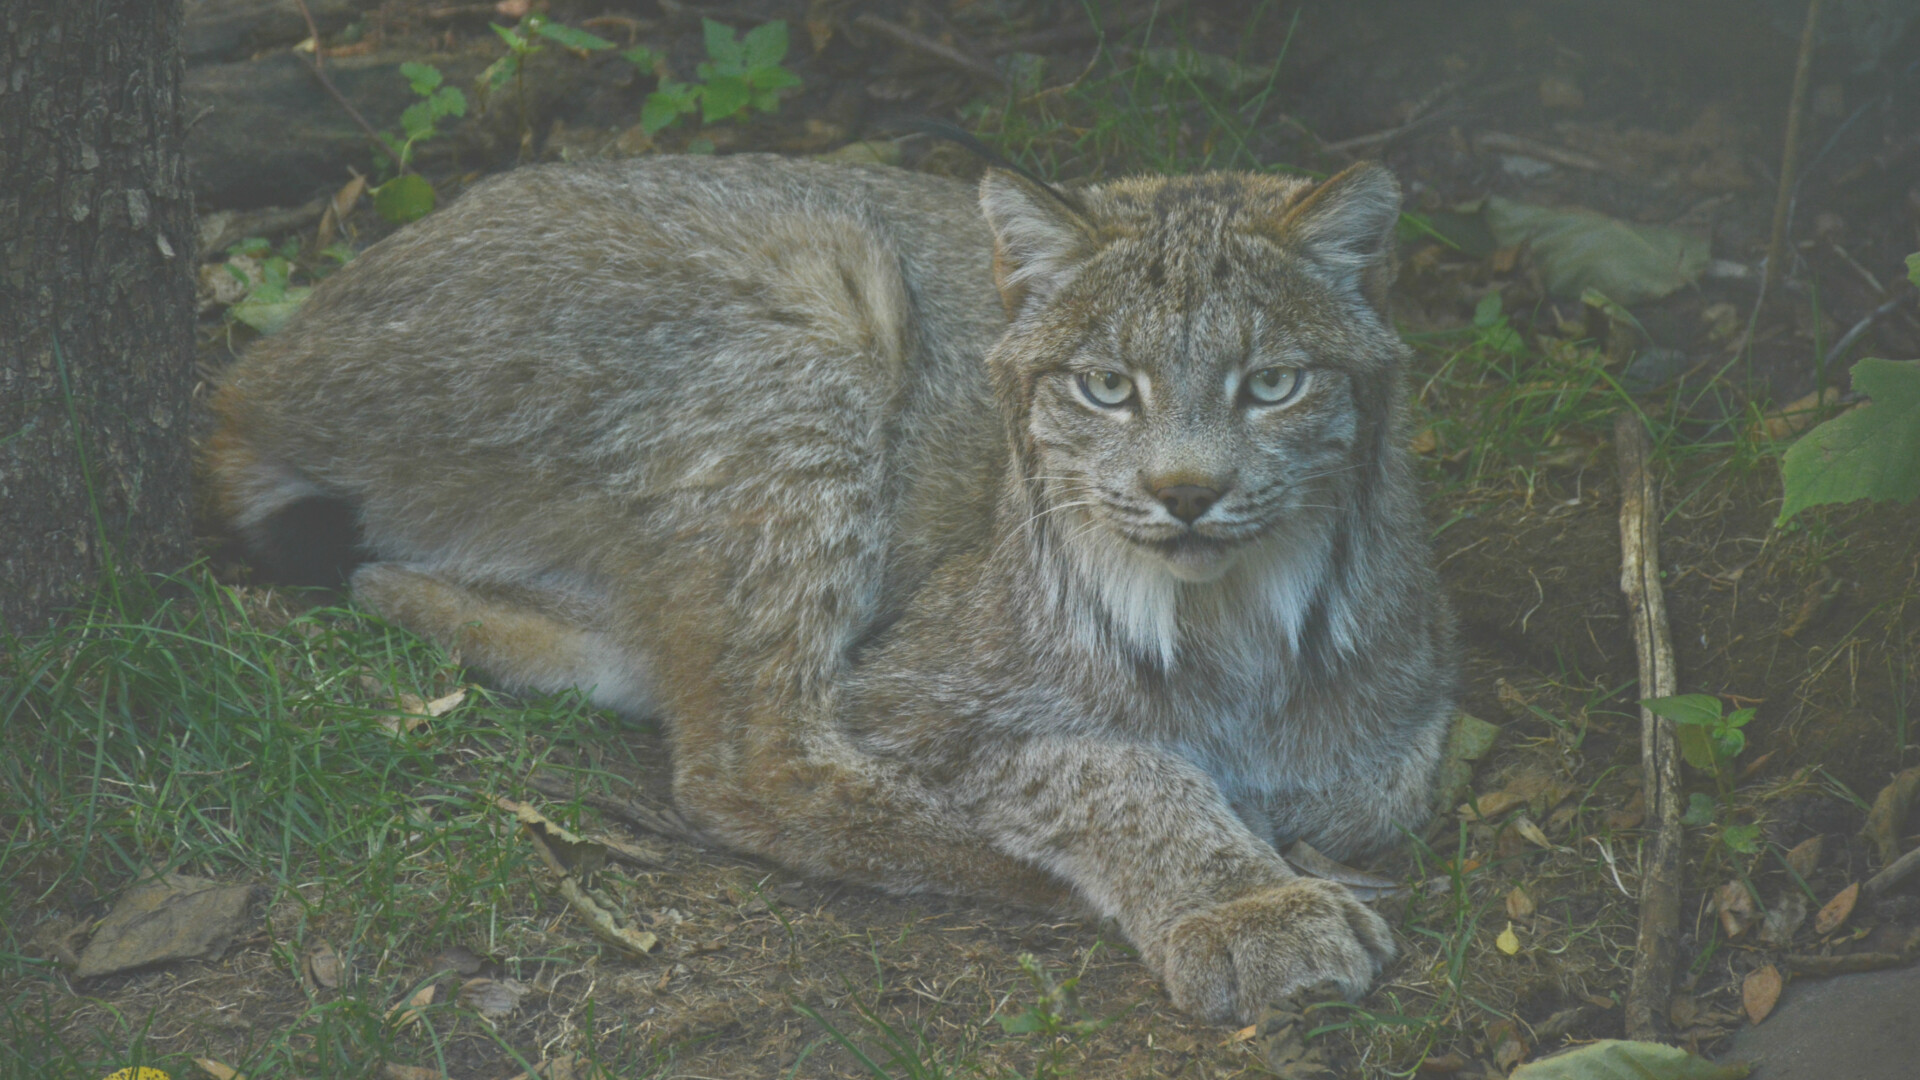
[(1271, 386), (1107, 389)]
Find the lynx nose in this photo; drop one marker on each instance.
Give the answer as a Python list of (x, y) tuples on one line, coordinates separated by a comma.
[(1186, 501)]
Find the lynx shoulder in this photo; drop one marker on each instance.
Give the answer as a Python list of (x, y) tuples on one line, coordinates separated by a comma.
[(1023, 543)]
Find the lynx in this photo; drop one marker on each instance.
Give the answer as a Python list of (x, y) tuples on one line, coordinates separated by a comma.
[(1051, 544)]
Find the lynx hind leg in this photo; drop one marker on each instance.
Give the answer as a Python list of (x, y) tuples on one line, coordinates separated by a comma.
[(524, 637)]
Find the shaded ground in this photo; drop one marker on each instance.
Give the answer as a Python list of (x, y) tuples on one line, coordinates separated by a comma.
[(1626, 112)]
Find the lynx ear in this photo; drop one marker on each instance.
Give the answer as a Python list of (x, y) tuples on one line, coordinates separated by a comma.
[(1346, 227), (1038, 237)]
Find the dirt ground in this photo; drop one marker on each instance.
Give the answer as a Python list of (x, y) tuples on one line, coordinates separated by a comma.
[(1817, 626)]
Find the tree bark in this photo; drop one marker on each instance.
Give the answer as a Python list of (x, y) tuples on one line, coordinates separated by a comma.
[(96, 299)]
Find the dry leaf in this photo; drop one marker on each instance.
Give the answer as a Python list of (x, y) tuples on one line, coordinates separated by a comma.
[(218, 1070), (441, 706), (494, 999), (1443, 1064), (1509, 1053), (1736, 909), (1243, 1034), (1519, 904), (171, 917), (409, 1009), (1836, 910), (325, 967), (1795, 417), (458, 959), (1490, 805), (1760, 991), (1508, 942), (1425, 441), (1525, 827), (1804, 859), (1889, 813), (1628, 816), (410, 1072)]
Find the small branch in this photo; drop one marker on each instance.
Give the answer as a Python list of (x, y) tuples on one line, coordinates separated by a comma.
[(384, 144), (1896, 872), (1657, 951), (1865, 324), (1796, 106), (940, 51)]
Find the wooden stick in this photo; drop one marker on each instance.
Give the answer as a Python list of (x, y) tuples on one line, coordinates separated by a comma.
[(1658, 949), (1789, 158)]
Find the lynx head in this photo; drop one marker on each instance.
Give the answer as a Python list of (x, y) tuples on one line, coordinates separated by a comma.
[(1196, 364)]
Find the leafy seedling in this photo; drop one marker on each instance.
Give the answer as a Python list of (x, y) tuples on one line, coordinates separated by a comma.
[(739, 74), (1710, 738), (408, 196)]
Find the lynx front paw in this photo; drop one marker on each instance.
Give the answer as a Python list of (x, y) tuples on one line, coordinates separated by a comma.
[(1225, 962)]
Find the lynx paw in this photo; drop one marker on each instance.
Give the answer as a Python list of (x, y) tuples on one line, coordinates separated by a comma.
[(1226, 962)]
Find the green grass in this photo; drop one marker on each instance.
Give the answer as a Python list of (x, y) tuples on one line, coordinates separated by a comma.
[(181, 725)]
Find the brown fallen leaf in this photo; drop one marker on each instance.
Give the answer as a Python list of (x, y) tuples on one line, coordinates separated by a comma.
[(1836, 910), (1804, 858), (1797, 415), (409, 1009), (1735, 906), (1525, 827), (171, 917), (410, 1072), (325, 967), (1760, 992), (1519, 904), (445, 704), (219, 1070), (494, 999), (1628, 816), (458, 959), (1443, 1064), (1490, 805), (1889, 813)]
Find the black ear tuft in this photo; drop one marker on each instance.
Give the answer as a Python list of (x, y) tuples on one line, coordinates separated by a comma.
[(315, 541)]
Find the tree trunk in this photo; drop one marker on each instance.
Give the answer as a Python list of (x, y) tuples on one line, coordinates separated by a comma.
[(96, 299)]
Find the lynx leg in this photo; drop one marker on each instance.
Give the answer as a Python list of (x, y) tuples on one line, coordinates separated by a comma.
[(525, 637)]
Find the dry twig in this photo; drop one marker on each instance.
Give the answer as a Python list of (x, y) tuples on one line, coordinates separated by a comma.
[(938, 50), (1658, 946), (1796, 106)]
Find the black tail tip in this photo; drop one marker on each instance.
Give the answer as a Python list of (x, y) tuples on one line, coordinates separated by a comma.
[(315, 541)]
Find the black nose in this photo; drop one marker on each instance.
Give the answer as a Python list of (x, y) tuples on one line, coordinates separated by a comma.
[(1187, 501)]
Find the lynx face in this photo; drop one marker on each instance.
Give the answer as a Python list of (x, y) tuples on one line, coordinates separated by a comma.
[(1196, 399)]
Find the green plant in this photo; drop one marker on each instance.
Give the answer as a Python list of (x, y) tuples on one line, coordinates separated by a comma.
[(1871, 452), (408, 196), (267, 273), (737, 75), (1710, 738)]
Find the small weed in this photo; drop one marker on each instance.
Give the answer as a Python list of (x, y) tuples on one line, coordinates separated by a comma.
[(268, 273), (738, 75), (1710, 738), (407, 196)]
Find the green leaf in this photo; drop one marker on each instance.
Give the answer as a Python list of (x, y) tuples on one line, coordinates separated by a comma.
[(268, 314), (1024, 1024), (514, 39), (500, 71), (1467, 742), (658, 113), (1871, 452), (722, 47), (1699, 810), (1618, 1059), (701, 145), (1580, 249), (641, 57), (404, 198), (1487, 313), (571, 38), (422, 77), (1686, 708), (449, 101), (1913, 268), (723, 97), (1744, 839), (1728, 743), (1738, 718), (772, 77), (765, 45), (1696, 745), (417, 120)]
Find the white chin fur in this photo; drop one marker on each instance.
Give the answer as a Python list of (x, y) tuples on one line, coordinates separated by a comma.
[(1198, 566)]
